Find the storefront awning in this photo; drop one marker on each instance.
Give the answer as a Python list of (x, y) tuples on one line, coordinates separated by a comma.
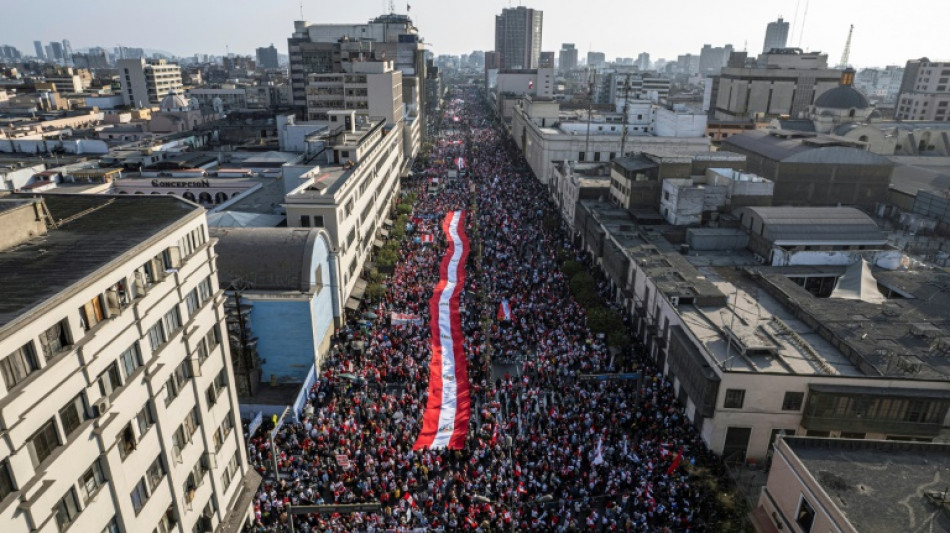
[(378, 243), (388, 222), (383, 232), (358, 289), (352, 304)]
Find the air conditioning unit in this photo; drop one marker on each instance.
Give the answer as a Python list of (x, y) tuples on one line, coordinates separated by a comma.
[(100, 408)]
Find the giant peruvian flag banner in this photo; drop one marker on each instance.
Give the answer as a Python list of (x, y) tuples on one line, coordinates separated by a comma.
[(445, 421), (504, 311)]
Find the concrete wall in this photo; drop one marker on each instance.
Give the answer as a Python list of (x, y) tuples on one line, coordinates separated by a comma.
[(889, 259), (716, 239), (285, 332)]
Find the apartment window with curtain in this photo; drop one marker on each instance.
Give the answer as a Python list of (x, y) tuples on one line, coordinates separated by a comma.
[(44, 442), (156, 336), (67, 509), (73, 414), (55, 340), (91, 313)]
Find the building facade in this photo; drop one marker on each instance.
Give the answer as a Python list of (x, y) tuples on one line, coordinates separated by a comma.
[(567, 57), (924, 91), (116, 371), (144, 84), (518, 38), (776, 35), (349, 191), (267, 57)]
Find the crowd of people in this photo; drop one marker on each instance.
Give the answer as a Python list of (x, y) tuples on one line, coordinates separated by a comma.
[(548, 448)]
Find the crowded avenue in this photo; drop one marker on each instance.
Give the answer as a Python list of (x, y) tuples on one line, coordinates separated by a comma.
[(487, 405)]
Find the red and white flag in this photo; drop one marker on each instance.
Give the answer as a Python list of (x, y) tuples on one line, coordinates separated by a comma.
[(504, 311), (530, 84), (599, 453), (675, 464), (460, 162), (426, 238), (410, 500), (445, 420)]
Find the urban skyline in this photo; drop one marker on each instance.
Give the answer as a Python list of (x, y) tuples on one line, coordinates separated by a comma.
[(694, 24)]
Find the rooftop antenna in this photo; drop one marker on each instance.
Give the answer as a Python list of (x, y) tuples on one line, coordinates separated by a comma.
[(301, 10), (590, 104), (392, 6), (846, 55)]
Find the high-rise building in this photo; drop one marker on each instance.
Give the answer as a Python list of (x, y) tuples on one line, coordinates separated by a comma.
[(57, 48), (567, 59), (546, 60), (267, 57), (9, 52), (144, 83), (596, 59), (38, 47), (67, 52), (776, 35), (518, 38), (643, 61), (117, 384), (925, 91), (712, 59)]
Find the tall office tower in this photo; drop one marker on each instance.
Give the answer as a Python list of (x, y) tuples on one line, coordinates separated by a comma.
[(567, 59), (57, 48), (518, 38), (596, 59), (67, 52), (776, 35), (643, 61), (38, 46), (267, 57), (546, 60), (118, 406)]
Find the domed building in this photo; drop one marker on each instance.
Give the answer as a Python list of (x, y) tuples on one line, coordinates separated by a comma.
[(176, 114), (842, 105)]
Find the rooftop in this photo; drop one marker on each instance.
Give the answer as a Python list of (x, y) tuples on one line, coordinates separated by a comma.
[(799, 147), (907, 336), (817, 224), (880, 486), (93, 232), (272, 259)]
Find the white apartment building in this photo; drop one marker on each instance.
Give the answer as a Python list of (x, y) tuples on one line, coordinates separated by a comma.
[(546, 135), (357, 162), (116, 408), (145, 84)]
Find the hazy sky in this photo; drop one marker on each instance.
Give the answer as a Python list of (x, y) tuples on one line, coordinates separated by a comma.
[(886, 32)]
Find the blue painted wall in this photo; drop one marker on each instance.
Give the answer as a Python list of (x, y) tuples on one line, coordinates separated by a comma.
[(290, 331), (285, 338)]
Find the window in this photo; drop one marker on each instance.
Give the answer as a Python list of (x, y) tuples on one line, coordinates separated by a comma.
[(805, 516), (228, 475), (793, 401), (176, 382), (155, 474), (139, 496), (172, 321), (318, 221), (109, 381), (156, 336), (127, 441), (144, 420), (43, 442), (734, 398), (168, 521), (18, 365), (205, 290), (191, 423), (850, 435), (219, 383), (111, 527), (171, 258), (90, 481), (91, 313), (131, 359), (54, 340), (212, 338), (227, 425), (66, 510), (72, 415), (192, 303), (305, 221), (580, 156), (6, 479)]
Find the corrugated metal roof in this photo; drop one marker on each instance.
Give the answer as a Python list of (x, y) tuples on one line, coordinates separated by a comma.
[(817, 224)]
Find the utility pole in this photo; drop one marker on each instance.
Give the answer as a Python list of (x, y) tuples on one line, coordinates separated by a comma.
[(591, 75), (626, 109)]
